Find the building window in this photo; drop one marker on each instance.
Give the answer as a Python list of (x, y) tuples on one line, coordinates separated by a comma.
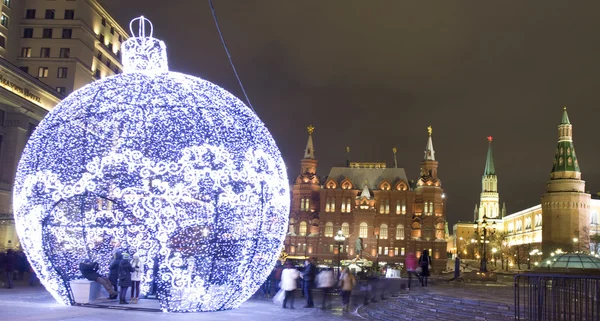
[(120, 38), (2, 116), (428, 233), (110, 46), (24, 68), (364, 230), (2, 41), (528, 223), (43, 72), (7, 3), (330, 248), (99, 55), (98, 75), (62, 72), (519, 225), (30, 14), (104, 22), (402, 251), (383, 231), (4, 20), (28, 33), (346, 205), (538, 220), (345, 229), (49, 14), (26, 52), (386, 251), (61, 90), (67, 33), (45, 52), (108, 64), (400, 232), (379, 251), (65, 52), (112, 30), (47, 33), (329, 229), (511, 227), (384, 206), (302, 231), (69, 14)]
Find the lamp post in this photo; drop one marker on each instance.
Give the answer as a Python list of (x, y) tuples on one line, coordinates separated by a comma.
[(482, 228), (376, 232), (339, 239)]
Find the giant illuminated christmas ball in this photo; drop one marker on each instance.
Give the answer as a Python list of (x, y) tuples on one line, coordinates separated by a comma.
[(158, 163)]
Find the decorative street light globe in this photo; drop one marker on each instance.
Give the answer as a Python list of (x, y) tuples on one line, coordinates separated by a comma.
[(158, 163)]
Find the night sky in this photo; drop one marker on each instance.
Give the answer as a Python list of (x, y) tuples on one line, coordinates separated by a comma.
[(374, 74)]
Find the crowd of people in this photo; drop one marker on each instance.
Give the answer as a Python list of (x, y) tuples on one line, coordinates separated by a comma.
[(287, 278), (13, 267), (124, 272)]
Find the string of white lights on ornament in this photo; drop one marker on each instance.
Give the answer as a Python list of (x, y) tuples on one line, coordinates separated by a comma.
[(161, 164)]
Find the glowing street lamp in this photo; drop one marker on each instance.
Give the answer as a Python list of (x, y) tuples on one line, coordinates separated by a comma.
[(339, 239)]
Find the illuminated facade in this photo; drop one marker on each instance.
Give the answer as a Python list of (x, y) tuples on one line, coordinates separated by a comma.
[(64, 43), (47, 49), (390, 213), (564, 220)]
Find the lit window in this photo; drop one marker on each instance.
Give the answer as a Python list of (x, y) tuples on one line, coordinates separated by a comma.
[(61, 90), (398, 207), (345, 229), (400, 232), (43, 72), (7, 3), (332, 205), (402, 251), (329, 229), (383, 231), (4, 20), (364, 230), (62, 72), (396, 252), (302, 229), (386, 251)]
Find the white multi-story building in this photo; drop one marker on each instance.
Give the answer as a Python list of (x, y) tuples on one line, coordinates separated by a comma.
[(48, 49), (64, 43)]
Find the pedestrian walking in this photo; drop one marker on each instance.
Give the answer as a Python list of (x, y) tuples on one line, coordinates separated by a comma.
[(425, 265), (411, 268), (289, 277), (308, 276), (326, 282), (113, 270), (346, 284), (125, 270), (136, 278)]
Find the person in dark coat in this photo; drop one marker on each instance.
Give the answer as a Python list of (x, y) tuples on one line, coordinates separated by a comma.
[(89, 270), (113, 269), (9, 267), (424, 263), (308, 276), (125, 270)]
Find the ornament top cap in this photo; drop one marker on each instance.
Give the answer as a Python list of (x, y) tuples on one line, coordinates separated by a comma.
[(143, 53)]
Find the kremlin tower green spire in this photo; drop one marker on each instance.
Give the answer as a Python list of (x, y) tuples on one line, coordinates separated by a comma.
[(489, 162), (565, 161)]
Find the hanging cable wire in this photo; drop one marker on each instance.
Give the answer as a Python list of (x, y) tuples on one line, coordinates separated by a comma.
[(214, 14)]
